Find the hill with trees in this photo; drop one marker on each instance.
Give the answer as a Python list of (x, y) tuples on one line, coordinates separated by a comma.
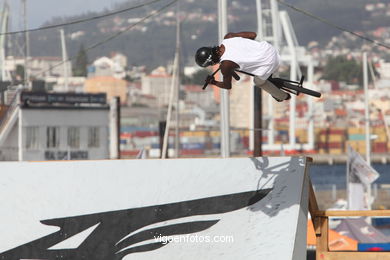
[(152, 43)]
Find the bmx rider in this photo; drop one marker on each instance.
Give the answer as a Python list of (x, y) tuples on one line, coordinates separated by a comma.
[(240, 51)]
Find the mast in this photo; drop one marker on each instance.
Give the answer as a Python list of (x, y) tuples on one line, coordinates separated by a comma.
[(64, 60), (367, 123), (177, 113), (224, 106), (26, 45)]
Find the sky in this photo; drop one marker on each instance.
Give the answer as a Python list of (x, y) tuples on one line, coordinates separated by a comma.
[(40, 11)]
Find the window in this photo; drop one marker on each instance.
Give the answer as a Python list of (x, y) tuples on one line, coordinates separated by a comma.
[(93, 137), (52, 137), (74, 137), (32, 137)]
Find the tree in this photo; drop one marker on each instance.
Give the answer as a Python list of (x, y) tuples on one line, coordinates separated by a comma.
[(19, 73), (342, 69), (81, 63)]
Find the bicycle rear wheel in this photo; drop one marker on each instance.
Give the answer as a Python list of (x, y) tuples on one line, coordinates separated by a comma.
[(302, 90)]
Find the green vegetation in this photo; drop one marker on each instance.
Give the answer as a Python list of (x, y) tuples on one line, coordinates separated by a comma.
[(81, 63), (20, 73), (341, 68)]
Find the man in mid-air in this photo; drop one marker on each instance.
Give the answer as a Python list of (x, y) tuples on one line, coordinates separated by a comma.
[(240, 51)]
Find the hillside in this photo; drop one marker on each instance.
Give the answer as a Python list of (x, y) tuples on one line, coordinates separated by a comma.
[(152, 43)]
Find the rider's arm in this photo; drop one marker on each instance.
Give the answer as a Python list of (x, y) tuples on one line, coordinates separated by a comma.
[(248, 35), (227, 70)]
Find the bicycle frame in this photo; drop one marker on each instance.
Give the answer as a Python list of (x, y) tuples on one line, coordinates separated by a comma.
[(275, 81)]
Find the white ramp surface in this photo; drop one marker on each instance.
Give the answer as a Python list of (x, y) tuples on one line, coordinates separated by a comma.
[(236, 208)]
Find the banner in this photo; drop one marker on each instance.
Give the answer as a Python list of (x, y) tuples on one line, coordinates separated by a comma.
[(359, 168), (360, 175)]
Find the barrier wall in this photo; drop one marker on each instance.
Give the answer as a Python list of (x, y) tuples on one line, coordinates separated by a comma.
[(248, 208)]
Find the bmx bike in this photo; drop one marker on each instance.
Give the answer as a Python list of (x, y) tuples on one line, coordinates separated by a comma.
[(293, 87)]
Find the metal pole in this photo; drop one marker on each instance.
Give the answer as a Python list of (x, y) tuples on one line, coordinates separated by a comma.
[(20, 133), (224, 106), (367, 123), (293, 76), (366, 110), (275, 23), (259, 20), (168, 122), (310, 79), (276, 43), (115, 128), (257, 98), (257, 150), (64, 60), (27, 46), (3, 38), (177, 114)]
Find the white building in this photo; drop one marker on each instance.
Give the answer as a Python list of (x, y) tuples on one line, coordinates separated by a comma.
[(39, 67), (105, 66), (55, 126), (158, 84)]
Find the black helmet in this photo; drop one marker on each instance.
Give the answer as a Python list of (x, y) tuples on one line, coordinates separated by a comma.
[(206, 56)]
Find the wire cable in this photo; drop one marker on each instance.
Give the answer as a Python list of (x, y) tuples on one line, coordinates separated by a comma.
[(333, 24), (154, 13), (81, 20)]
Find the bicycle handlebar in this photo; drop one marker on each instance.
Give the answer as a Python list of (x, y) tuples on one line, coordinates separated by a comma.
[(209, 78)]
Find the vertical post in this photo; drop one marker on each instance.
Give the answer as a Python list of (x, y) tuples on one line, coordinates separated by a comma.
[(161, 130), (293, 74), (275, 23), (276, 43), (177, 114), (253, 99), (347, 187), (367, 123), (366, 110), (224, 106), (64, 60), (118, 126), (20, 135), (322, 237), (27, 46), (170, 105), (310, 73), (115, 128), (259, 20), (3, 38), (257, 151)]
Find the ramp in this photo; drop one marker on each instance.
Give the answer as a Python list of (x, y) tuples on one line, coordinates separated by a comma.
[(248, 208)]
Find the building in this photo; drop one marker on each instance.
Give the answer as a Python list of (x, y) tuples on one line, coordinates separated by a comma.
[(105, 66), (40, 67), (157, 84), (55, 126), (195, 94), (113, 87)]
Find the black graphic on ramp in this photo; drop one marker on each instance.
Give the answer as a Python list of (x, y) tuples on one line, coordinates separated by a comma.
[(110, 240)]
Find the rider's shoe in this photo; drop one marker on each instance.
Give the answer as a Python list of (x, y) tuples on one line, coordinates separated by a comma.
[(281, 100)]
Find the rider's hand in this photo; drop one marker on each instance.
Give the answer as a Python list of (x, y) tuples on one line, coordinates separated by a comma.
[(210, 80)]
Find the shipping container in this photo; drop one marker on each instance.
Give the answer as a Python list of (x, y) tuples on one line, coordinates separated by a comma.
[(192, 152), (356, 137)]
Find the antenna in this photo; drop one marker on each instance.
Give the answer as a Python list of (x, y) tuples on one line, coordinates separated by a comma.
[(26, 45)]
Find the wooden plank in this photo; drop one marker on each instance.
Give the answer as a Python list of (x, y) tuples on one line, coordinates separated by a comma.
[(353, 255), (313, 206), (352, 213), (322, 237)]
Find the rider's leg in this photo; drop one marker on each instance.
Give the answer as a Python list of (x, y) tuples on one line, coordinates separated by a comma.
[(275, 92)]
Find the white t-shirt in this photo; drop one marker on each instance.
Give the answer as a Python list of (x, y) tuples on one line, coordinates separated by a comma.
[(258, 58)]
